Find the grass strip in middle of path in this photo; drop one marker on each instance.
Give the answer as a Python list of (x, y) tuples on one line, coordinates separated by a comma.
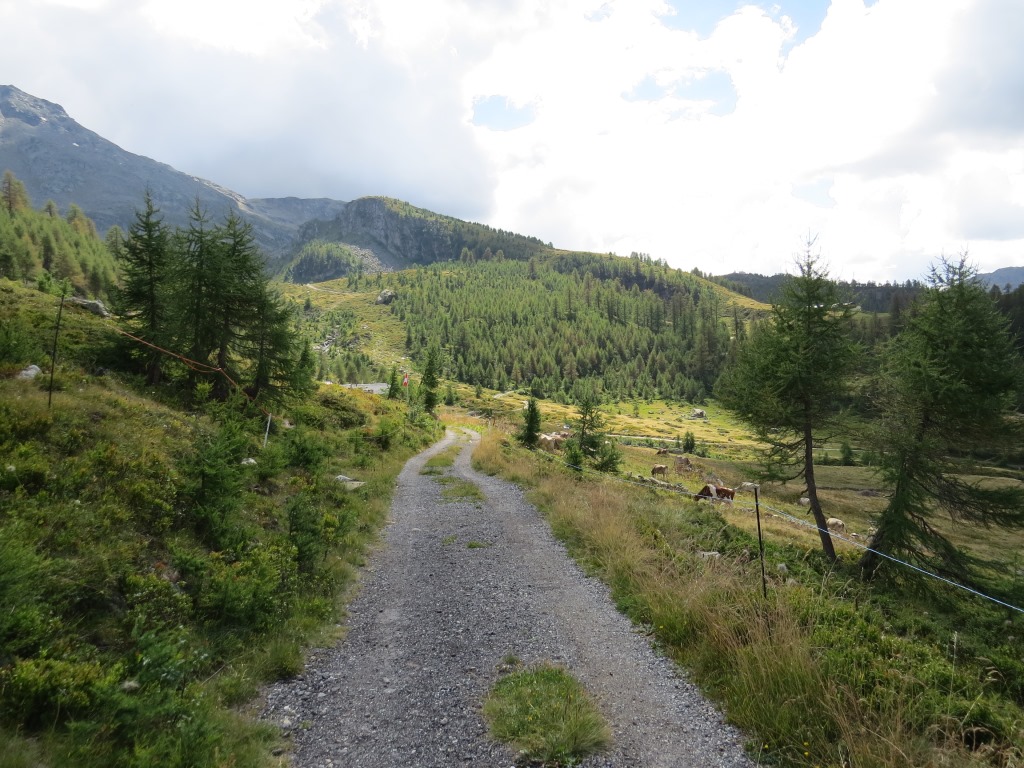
[(544, 712)]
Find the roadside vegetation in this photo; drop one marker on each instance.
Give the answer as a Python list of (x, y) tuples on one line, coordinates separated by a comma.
[(825, 671), (160, 563)]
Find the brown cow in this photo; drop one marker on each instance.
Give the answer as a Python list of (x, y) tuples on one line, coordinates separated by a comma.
[(662, 451), (659, 469), (712, 491)]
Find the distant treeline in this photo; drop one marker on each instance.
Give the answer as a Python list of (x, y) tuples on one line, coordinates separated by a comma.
[(869, 296)]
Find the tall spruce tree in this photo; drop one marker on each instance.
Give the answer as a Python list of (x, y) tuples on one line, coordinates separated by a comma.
[(240, 297), (946, 387), (278, 360), (144, 298), (431, 371), (197, 286), (787, 379), (531, 424)]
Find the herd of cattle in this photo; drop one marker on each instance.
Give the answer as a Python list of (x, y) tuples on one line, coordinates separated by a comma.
[(712, 491)]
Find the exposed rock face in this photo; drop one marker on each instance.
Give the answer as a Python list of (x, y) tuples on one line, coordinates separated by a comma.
[(386, 296), (57, 159), (395, 239)]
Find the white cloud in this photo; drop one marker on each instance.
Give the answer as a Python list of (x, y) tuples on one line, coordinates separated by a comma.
[(251, 27), (872, 131)]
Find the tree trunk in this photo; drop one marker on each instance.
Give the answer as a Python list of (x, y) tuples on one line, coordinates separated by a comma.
[(812, 494)]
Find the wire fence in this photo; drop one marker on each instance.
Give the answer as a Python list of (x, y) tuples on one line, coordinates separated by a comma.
[(785, 515)]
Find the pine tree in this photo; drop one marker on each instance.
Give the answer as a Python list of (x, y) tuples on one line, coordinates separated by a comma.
[(144, 297), (531, 424), (394, 384), (947, 385), (273, 349), (788, 378), (430, 379)]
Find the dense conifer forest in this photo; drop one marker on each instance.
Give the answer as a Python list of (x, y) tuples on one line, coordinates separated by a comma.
[(630, 327)]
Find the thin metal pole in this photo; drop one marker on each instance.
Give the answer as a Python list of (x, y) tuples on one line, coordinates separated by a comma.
[(267, 433), (53, 355), (760, 545)]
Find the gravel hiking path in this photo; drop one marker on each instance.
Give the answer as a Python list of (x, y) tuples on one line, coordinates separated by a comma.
[(455, 588)]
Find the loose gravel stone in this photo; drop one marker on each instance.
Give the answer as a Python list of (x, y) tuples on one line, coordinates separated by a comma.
[(434, 620)]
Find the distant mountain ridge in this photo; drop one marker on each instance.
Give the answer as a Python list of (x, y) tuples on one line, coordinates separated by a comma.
[(1012, 276), (58, 159)]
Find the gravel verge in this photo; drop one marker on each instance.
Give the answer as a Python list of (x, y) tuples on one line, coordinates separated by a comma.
[(434, 619)]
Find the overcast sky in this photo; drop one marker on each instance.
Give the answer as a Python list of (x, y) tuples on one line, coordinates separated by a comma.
[(709, 133)]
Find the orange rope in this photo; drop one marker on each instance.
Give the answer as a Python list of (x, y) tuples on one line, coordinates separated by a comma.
[(194, 365)]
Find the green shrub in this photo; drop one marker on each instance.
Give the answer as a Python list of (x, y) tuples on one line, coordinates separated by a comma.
[(17, 344), (306, 449), (572, 452), (42, 691), (306, 532), (251, 593)]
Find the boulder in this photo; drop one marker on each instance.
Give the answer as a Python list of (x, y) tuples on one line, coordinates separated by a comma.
[(91, 305), (386, 296), (31, 372)]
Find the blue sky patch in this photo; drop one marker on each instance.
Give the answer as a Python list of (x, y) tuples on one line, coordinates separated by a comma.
[(701, 16), (715, 86), (816, 192), (498, 114)]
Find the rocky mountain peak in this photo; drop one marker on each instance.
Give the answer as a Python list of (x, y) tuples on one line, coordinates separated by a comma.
[(15, 104)]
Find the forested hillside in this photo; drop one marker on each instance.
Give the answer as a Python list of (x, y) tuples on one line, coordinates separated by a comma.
[(40, 245), (630, 327)]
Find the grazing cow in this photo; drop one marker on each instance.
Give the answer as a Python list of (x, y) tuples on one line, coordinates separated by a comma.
[(804, 501), (662, 451), (682, 462), (709, 491), (835, 525), (727, 494), (547, 443), (659, 469), (698, 413)]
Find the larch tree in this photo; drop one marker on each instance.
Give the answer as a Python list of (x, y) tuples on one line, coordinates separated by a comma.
[(788, 379), (13, 195), (946, 390)]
